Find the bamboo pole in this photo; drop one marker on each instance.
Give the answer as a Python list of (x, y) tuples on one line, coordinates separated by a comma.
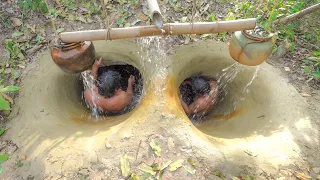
[(168, 29), (155, 13)]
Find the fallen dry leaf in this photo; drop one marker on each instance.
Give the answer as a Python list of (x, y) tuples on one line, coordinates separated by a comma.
[(192, 162), (305, 95), (71, 17), (145, 168), (143, 17), (250, 153), (32, 28), (81, 18), (155, 147), (125, 165), (302, 176), (176, 165), (135, 177), (190, 170), (16, 22), (58, 2), (219, 174), (287, 69), (165, 165)]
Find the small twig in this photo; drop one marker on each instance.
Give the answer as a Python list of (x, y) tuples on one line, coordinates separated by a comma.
[(298, 15), (138, 149)]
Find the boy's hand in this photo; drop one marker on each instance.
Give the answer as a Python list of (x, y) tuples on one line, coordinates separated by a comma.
[(131, 79), (97, 63)]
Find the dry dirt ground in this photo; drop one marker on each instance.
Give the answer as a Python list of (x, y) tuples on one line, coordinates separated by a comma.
[(68, 150)]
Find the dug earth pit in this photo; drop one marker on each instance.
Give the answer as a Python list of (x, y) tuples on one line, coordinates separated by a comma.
[(271, 131)]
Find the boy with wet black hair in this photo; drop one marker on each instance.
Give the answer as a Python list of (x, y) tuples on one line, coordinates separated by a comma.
[(108, 83), (108, 95), (205, 95)]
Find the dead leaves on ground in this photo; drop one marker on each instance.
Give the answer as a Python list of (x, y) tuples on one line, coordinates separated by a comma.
[(157, 169), (125, 165), (302, 176), (16, 22), (176, 165), (155, 147)]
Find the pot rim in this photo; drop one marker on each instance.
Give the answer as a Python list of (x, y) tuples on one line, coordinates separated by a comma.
[(257, 38), (70, 46)]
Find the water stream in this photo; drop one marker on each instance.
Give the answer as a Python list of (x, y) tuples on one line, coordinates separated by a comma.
[(89, 83), (227, 76)]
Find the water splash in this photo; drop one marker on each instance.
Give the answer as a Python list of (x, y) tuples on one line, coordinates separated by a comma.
[(89, 84), (237, 100), (246, 89), (227, 75), (224, 79), (155, 55)]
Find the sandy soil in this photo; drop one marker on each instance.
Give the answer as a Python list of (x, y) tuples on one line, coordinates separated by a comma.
[(275, 136)]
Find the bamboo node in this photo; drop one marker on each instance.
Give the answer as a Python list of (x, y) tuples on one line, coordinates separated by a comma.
[(108, 35)]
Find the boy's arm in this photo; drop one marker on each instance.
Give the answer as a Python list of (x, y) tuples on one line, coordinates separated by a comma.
[(214, 92), (95, 67), (188, 109), (130, 85)]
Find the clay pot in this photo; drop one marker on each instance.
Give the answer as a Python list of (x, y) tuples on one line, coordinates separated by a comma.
[(250, 50), (74, 57)]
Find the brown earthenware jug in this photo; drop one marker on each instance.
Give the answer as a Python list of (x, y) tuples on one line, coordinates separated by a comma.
[(250, 50), (74, 57)]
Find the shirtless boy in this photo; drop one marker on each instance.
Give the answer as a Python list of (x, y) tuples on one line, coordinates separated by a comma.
[(206, 93), (107, 95)]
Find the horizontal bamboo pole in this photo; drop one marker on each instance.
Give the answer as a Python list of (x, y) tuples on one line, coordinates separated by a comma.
[(155, 13), (168, 29)]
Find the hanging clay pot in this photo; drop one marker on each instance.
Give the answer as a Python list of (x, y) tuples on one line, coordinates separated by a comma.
[(249, 49), (74, 57)]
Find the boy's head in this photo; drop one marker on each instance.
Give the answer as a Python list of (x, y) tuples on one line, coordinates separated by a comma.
[(108, 83), (200, 85)]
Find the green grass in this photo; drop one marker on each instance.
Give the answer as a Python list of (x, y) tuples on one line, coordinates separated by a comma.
[(312, 65), (38, 6)]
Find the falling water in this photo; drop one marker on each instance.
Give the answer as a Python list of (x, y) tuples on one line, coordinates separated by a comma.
[(226, 79), (89, 84), (227, 75), (246, 89), (156, 48)]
